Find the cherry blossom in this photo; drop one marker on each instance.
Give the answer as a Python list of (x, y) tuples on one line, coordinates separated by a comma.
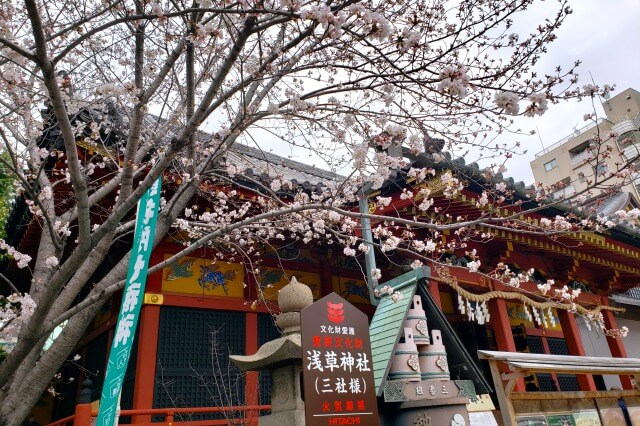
[(101, 100), (538, 105), (507, 102)]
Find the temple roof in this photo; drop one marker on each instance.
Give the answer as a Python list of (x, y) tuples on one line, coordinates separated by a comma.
[(257, 161)]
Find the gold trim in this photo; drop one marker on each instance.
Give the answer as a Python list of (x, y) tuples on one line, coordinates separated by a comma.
[(153, 299), (94, 147)]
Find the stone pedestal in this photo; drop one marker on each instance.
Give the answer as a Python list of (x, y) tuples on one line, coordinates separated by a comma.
[(286, 402), (283, 358)]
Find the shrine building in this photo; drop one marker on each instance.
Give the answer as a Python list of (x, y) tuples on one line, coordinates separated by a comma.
[(198, 312)]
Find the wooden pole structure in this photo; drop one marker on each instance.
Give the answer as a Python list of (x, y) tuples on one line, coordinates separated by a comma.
[(506, 407)]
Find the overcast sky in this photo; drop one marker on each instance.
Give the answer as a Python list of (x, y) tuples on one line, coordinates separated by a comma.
[(605, 36)]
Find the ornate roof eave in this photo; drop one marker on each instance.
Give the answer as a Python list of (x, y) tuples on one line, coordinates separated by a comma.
[(477, 181)]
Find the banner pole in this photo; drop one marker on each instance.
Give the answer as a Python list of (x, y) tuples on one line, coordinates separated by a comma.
[(132, 298)]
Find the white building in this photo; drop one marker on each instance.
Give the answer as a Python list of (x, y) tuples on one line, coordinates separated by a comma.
[(579, 161)]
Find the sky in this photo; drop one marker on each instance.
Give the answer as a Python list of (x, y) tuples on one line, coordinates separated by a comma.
[(605, 36)]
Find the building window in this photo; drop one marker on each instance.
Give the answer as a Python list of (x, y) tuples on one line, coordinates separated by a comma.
[(581, 177), (582, 153), (551, 165), (563, 189), (600, 168)]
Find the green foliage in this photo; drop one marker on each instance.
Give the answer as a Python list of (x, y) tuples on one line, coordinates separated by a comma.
[(6, 192)]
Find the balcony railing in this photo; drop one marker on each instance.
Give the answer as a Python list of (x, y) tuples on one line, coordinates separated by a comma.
[(631, 152), (581, 157), (567, 138), (627, 125)]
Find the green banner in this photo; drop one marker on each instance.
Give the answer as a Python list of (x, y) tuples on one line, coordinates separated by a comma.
[(132, 298)]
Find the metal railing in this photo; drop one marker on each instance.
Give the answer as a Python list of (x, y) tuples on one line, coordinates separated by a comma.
[(83, 415), (567, 138), (582, 157)]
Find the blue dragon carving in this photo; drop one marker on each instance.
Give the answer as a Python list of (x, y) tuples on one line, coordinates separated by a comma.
[(211, 277)]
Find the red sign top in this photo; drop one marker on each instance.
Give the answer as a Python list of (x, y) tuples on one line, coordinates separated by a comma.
[(337, 370)]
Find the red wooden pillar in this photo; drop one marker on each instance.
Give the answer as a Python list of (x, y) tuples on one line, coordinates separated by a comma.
[(148, 343), (147, 360), (82, 415), (502, 331), (574, 344), (434, 291), (251, 386), (326, 278), (616, 346)]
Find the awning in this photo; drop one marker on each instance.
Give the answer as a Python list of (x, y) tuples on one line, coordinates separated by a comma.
[(522, 364), (528, 362)]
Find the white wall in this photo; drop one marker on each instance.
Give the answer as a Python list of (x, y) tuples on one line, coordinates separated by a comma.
[(632, 341), (595, 344)]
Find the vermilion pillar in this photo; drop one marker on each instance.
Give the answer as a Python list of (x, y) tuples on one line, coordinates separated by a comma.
[(502, 331), (615, 345), (574, 344), (251, 389), (147, 360), (434, 290)]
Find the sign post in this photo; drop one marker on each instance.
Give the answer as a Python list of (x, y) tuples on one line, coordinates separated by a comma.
[(146, 217), (336, 363)]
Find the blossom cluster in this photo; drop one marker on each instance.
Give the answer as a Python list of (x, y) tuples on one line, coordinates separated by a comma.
[(22, 260), (454, 81), (617, 333), (508, 277), (538, 105), (508, 102), (387, 290), (566, 294), (15, 310)]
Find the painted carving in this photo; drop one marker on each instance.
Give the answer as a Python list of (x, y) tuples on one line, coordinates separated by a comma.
[(413, 362), (350, 263), (269, 277), (442, 362), (289, 252), (421, 326), (181, 269), (422, 420), (211, 277), (352, 288)]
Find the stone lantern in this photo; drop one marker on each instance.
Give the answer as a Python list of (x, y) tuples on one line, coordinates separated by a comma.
[(282, 357)]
